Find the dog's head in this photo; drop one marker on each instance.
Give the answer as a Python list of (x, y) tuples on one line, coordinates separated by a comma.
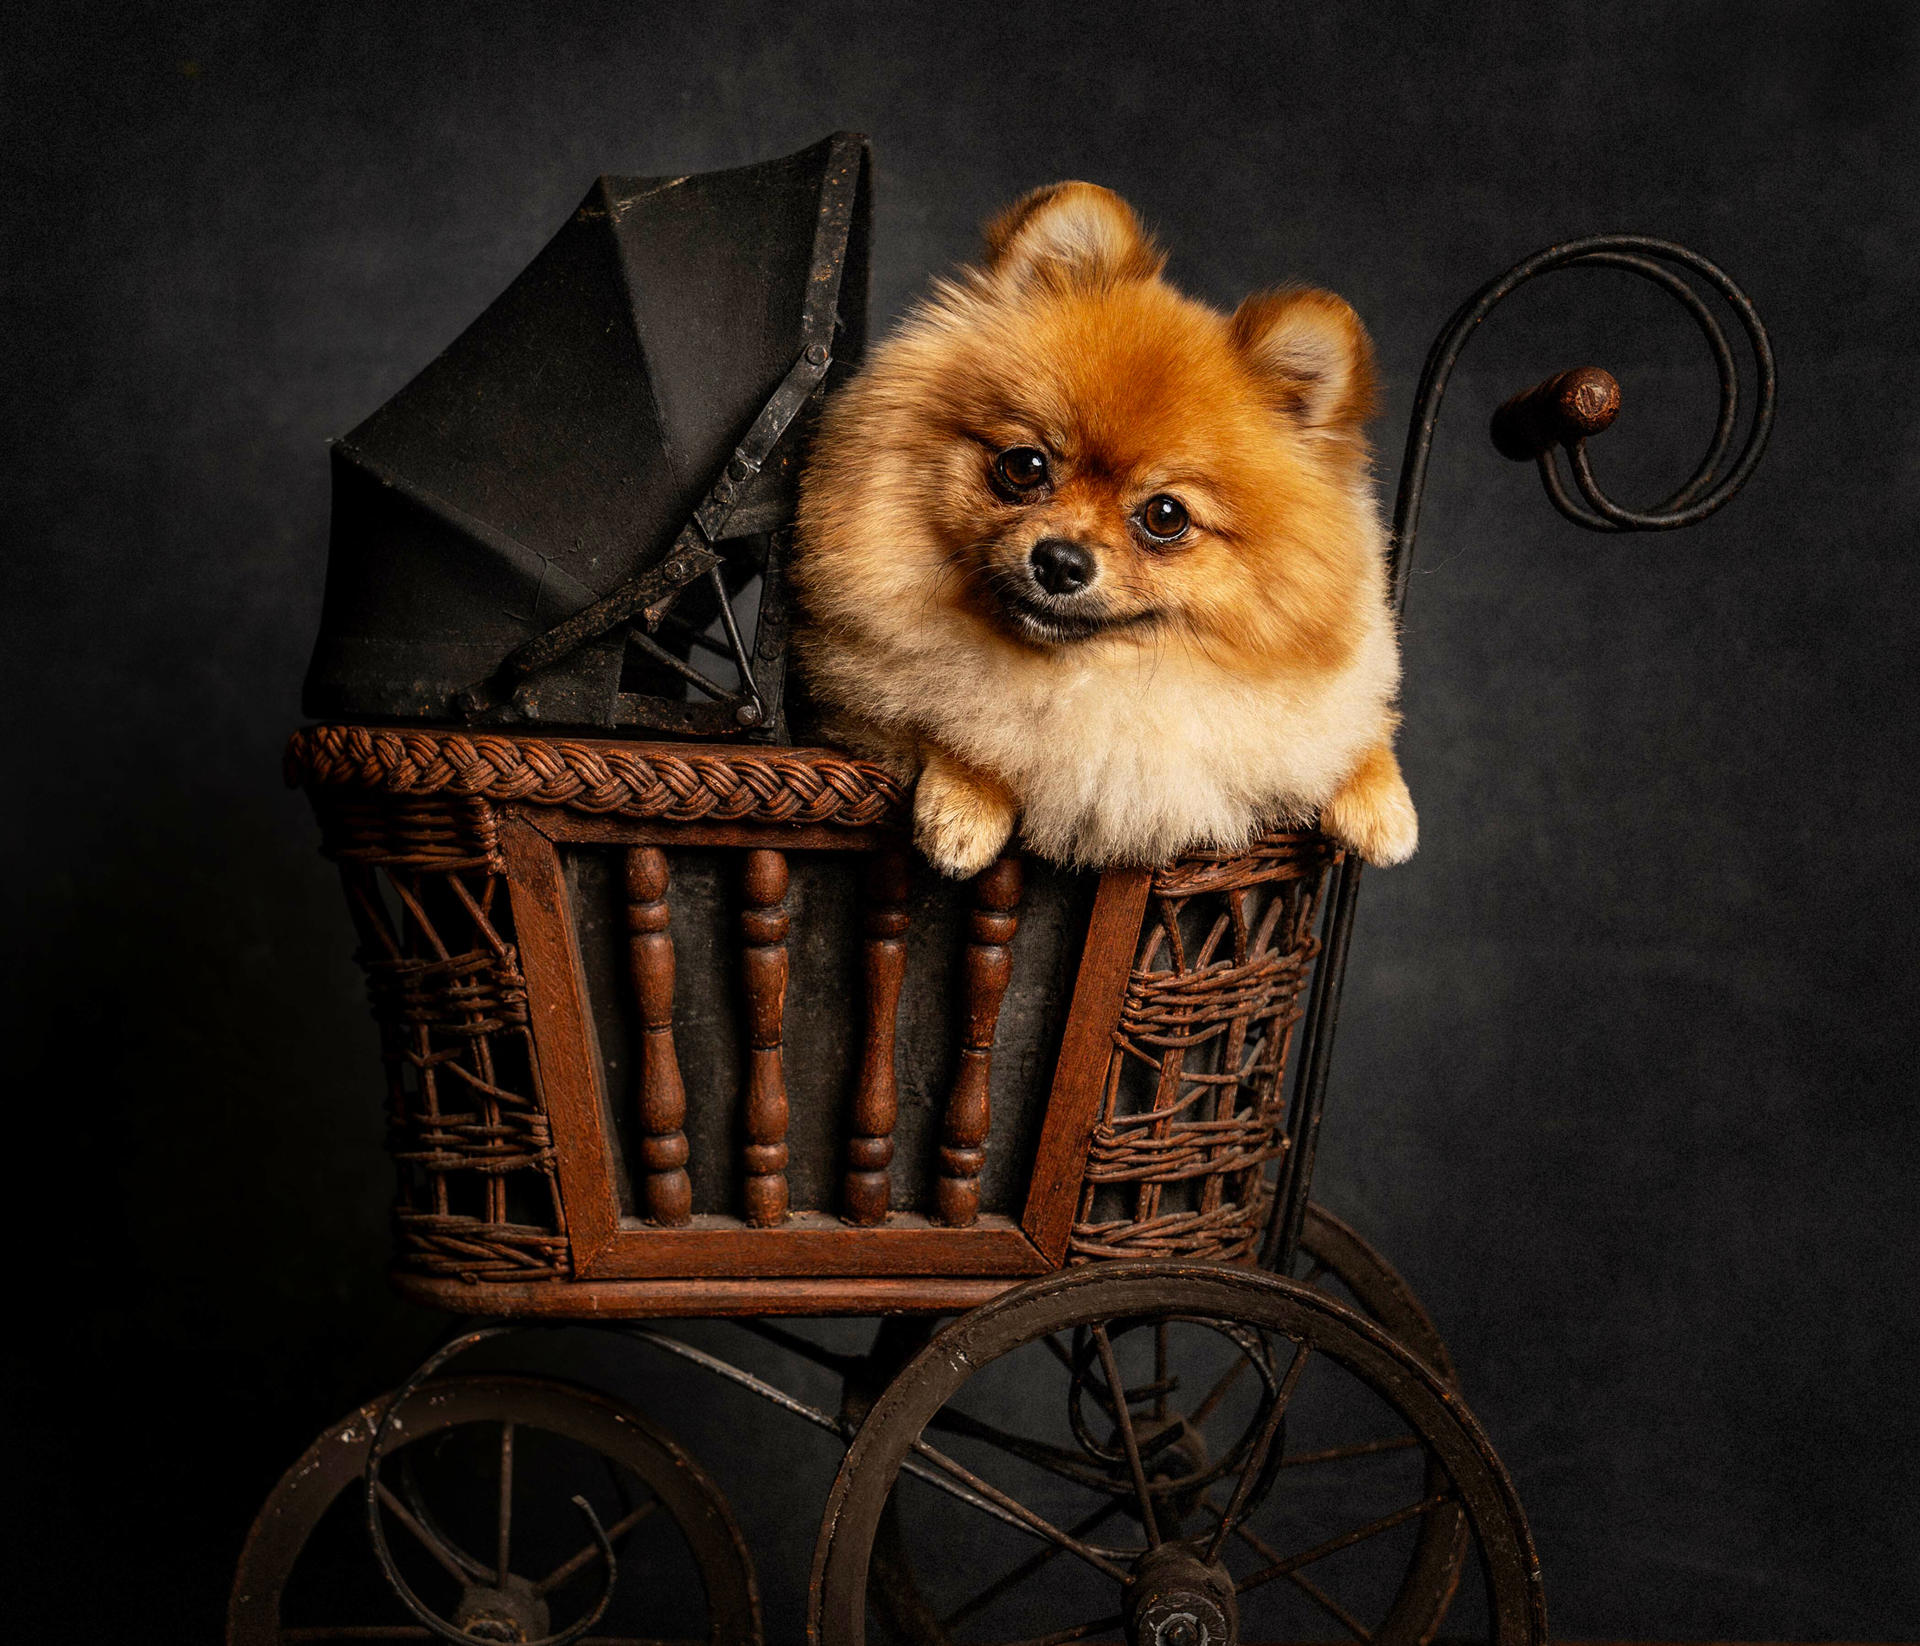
[(1073, 450)]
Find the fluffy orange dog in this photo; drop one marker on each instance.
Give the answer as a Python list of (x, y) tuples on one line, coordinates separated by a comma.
[(1089, 559)]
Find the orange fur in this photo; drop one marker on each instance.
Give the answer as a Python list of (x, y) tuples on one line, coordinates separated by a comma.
[(1372, 811), (1192, 690)]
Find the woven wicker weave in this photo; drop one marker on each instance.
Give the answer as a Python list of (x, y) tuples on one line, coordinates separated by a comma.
[(466, 1125), (1191, 1119), (1193, 1113)]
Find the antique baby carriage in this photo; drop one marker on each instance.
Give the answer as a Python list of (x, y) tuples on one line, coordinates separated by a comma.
[(683, 1029)]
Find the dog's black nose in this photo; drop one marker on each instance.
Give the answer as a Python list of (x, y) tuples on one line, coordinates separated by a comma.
[(1061, 567)]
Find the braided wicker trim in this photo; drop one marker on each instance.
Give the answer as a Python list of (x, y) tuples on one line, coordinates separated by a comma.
[(636, 780)]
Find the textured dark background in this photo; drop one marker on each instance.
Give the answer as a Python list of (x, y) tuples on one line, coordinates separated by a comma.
[(1625, 1080)]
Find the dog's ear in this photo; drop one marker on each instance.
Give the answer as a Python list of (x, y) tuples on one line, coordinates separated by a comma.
[(1077, 234), (1310, 351)]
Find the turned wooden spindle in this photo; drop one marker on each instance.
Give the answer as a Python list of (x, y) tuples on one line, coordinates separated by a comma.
[(660, 1098), (989, 963), (763, 928), (867, 1192)]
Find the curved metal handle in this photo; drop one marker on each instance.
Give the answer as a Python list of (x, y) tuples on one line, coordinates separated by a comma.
[(1564, 411), (1561, 413)]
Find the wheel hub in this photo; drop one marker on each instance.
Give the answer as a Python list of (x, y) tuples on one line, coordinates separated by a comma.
[(512, 1612), (1177, 1599)]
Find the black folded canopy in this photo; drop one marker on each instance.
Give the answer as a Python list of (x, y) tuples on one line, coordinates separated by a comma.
[(575, 517)]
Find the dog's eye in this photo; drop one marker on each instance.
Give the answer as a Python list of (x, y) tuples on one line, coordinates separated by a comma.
[(1163, 518), (1021, 469)]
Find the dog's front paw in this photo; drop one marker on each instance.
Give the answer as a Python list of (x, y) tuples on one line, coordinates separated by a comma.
[(1372, 813), (961, 820)]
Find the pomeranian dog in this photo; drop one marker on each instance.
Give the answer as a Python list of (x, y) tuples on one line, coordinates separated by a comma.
[(1086, 558)]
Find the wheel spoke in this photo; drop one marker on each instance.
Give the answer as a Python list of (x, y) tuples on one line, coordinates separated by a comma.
[(413, 1631), (577, 1562), (504, 1544), (1305, 1585), (359, 1631), (1330, 1606), (1161, 1387), (426, 1539), (1041, 1453), (1366, 1448), (1059, 1460), (1019, 1575), (1019, 1512), (1123, 1413), (1333, 1608), (1346, 1540), (1218, 1392), (1061, 1637), (1257, 1458), (424, 1519)]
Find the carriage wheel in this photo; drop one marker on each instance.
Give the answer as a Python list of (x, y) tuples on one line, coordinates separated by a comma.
[(1332, 1258), (1180, 1494), (464, 1459)]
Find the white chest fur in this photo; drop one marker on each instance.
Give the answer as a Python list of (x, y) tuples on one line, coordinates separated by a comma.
[(1128, 749)]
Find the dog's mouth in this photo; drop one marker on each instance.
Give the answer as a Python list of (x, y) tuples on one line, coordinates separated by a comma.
[(1048, 621)]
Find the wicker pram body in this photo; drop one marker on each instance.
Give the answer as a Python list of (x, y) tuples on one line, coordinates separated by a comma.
[(868, 1086)]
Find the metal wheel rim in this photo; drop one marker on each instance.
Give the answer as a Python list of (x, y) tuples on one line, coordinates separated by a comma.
[(335, 1461), (1440, 1553), (837, 1609), (1432, 1576)]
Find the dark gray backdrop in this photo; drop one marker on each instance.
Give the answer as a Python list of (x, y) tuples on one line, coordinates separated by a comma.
[(1624, 1079)]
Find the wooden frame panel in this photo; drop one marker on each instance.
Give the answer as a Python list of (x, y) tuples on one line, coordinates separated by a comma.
[(569, 1066), (1086, 1048), (817, 1249), (818, 1243), (703, 1298)]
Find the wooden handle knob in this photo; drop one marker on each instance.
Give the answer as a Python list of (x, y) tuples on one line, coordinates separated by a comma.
[(1567, 407)]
